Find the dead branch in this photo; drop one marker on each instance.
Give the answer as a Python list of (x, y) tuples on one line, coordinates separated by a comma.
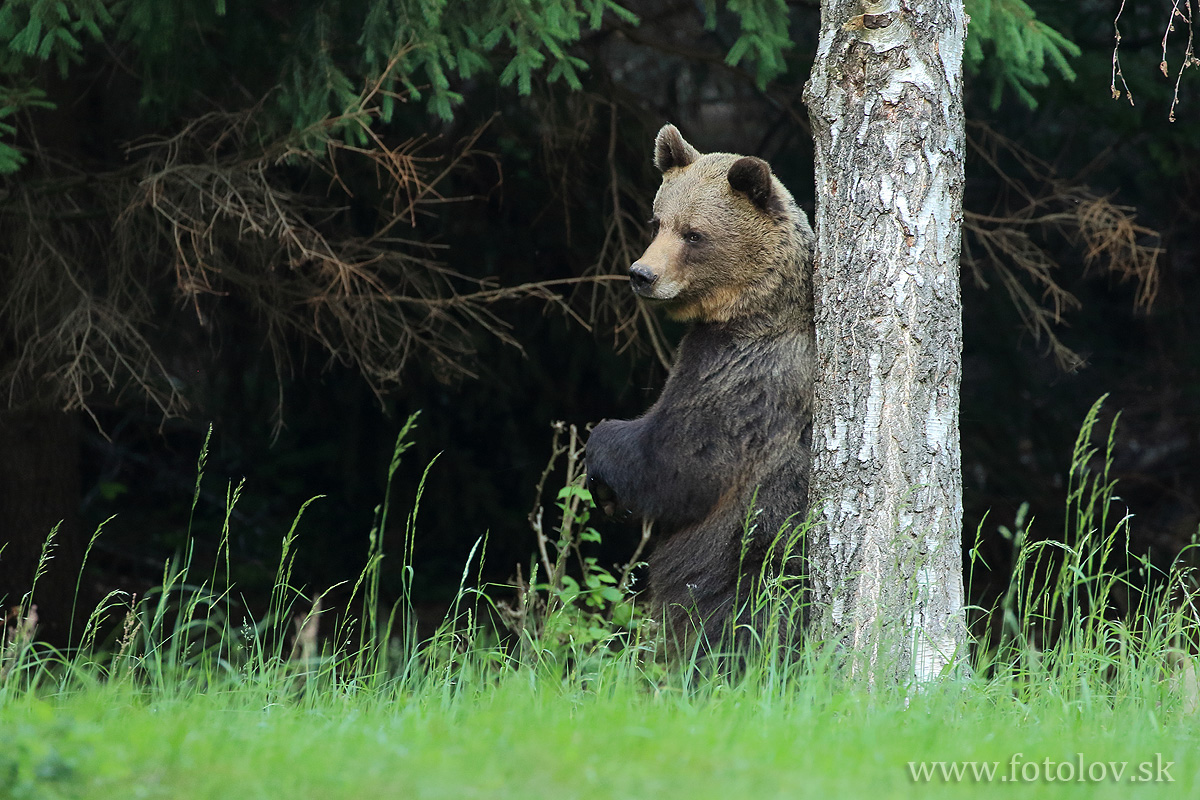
[(1013, 246), (535, 515), (16, 636), (569, 137), (1181, 10), (1184, 10), (1116, 59), (212, 212), (635, 559)]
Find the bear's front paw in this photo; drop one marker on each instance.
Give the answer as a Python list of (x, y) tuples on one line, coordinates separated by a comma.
[(602, 494), (601, 452), (606, 499)]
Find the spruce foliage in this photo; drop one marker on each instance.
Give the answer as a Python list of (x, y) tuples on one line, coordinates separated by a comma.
[(321, 53), (33, 31), (1010, 45)]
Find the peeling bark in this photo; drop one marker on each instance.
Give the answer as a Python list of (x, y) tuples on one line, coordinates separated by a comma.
[(885, 99)]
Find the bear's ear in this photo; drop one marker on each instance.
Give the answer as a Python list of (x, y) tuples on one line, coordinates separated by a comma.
[(670, 149), (752, 177)]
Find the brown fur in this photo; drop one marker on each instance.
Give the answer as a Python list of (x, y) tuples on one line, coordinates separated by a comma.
[(727, 441)]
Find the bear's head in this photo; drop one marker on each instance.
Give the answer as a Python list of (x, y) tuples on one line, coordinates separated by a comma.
[(729, 240)]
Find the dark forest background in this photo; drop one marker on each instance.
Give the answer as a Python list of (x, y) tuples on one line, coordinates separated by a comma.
[(301, 223)]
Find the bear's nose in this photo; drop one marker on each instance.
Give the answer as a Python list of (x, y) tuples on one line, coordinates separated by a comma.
[(641, 277)]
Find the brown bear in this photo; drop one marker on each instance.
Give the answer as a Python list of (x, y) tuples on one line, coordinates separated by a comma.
[(720, 462)]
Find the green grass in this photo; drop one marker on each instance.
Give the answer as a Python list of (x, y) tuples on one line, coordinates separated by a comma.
[(188, 699), (527, 739)]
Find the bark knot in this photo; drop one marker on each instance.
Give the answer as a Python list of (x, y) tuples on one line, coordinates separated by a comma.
[(869, 22)]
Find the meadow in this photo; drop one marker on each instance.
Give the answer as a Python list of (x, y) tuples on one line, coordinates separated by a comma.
[(1082, 682)]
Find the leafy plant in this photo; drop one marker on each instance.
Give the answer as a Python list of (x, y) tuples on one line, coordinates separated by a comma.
[(593, 606), (563, 617)]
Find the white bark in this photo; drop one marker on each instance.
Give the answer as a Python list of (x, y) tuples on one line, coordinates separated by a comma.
[(885, 98)]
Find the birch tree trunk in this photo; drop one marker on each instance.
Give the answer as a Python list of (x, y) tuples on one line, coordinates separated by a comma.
[(885, 99)]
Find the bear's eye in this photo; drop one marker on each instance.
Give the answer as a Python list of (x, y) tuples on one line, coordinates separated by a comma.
[(653, 226), (693, 237)]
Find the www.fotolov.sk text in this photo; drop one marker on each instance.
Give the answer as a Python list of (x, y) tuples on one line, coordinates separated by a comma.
[(1019, 770)]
